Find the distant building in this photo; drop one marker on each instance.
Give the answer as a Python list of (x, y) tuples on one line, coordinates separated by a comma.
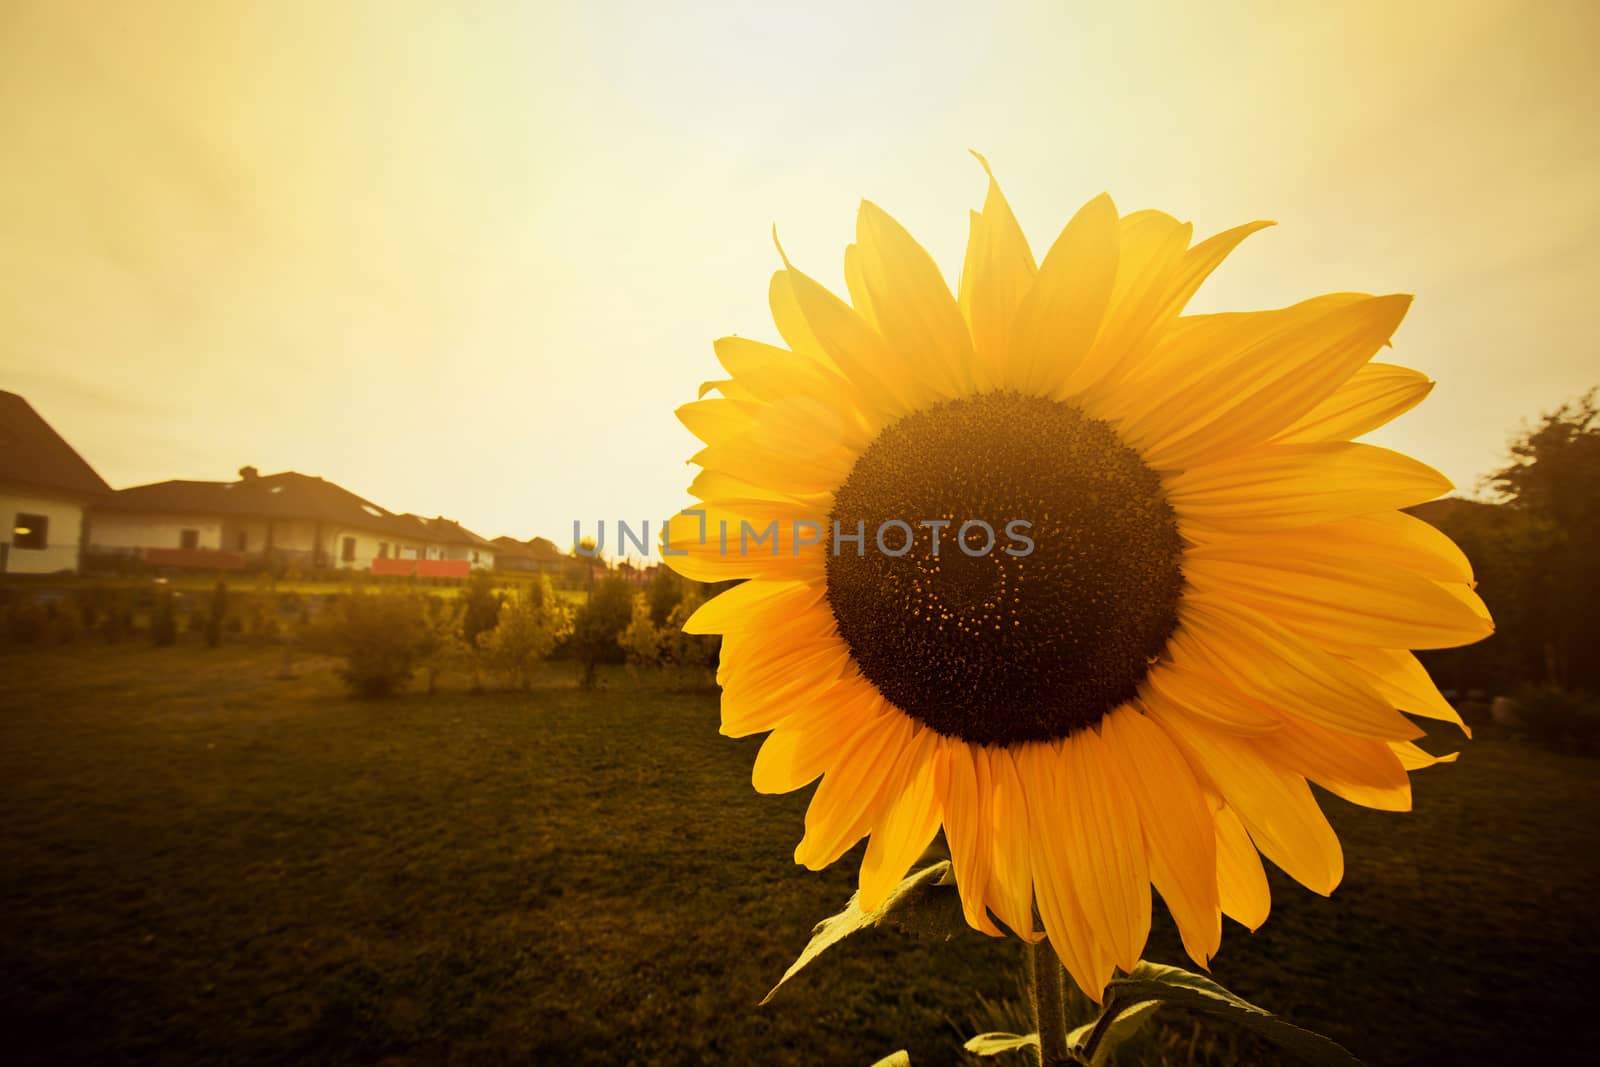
[(45, 491), (273, 520), (537, 555)]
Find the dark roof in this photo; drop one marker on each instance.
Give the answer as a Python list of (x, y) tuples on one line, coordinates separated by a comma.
[(544, 548), (535, 548), (273, 496), (511, 548), (32, 453), (442, 529)]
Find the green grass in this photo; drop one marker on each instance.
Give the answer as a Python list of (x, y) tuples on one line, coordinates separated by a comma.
[(201, 862)]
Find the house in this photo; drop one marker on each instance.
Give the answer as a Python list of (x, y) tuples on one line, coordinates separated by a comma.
[(537, 555), (446, 539), (276, 519), (45, 491)]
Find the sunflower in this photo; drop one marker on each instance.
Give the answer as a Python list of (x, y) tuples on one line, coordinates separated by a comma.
[(1095, 586)]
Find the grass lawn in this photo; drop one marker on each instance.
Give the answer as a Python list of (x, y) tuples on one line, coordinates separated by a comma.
[(201, 862)]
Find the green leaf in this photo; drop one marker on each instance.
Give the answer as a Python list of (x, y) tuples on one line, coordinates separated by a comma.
[(995, 1042), (926, 904), (895, 1059), (1122, 1026), (1154, 982)]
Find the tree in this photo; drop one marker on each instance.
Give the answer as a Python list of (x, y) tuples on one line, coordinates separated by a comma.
[(597, 625), (1553, 483), (529, 625)]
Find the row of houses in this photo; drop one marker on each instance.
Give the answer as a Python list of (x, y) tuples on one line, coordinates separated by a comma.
[(64, 517)]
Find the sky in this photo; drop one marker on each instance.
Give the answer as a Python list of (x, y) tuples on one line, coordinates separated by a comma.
[(466, 259)]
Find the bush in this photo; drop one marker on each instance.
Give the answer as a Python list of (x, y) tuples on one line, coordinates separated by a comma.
[(597, 625), (1562, 720), (382, 637), (526, 630), (481, 607), (643, 641)]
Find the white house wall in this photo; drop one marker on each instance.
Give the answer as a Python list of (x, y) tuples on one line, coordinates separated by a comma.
[(62, 537), (111, 531)]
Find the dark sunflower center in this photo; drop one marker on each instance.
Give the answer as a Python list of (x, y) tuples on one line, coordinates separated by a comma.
[(1004, 643)]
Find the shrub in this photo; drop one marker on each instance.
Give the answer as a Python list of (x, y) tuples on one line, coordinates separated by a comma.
[(481, 607), (382, 637), (444, 648), (643, 642), (597, 625), (1563, 720), (527, 628)]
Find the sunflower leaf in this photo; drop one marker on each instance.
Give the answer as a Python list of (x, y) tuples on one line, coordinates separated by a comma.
[(926, 904), (902, 1058), (1154, 982), (995, 1042)]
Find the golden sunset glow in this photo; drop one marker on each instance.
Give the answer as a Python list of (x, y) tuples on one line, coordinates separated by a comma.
[(455, 257)]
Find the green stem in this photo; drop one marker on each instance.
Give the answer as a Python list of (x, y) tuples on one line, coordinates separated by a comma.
[(1046, 981)]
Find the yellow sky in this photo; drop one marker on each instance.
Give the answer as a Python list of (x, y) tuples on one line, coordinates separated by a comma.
[(466, 259)]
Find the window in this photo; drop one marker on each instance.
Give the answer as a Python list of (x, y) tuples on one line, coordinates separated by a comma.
[(348, 552), (30, 531), (188, 538), (242, 542), (383, 550), (474, 557)]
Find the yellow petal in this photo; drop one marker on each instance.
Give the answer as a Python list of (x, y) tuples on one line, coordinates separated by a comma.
[(1389, 537), (847, 803), (1177, 824), (1274, 804), (1011, 887), (1351, 601), (1400, 679), (1374, 395), (1055, 865), (968, 815), (1152, 246), (1265, 661), (1112, 877), (1256, 392), (810, 739), (752, 603), (1360, 770), (999, 271), (915, 800), (1059, 317), (913, 307), (772, 373), (1182, 682), (714, 420), (890, 386), (1279, 487), (1242, 889), (1413, 758)]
